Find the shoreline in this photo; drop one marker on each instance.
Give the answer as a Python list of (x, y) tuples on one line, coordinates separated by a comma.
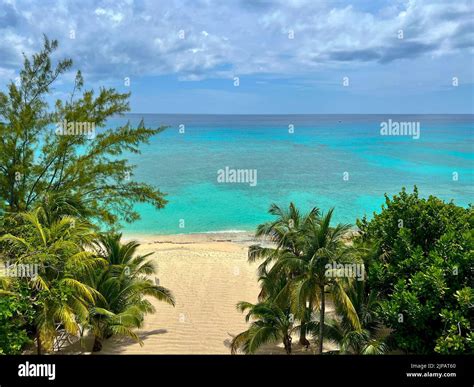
[(231, 236), (193, 238)]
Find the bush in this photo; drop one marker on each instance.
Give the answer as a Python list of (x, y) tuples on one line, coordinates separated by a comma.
[(424, 250), (15, 314)]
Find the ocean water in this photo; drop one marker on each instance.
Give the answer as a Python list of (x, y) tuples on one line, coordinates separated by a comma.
[(339, 161)]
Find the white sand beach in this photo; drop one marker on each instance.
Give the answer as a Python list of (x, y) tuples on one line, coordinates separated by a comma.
[(208, 274)]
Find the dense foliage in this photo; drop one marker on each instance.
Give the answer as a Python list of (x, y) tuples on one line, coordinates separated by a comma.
[(422, 268), (15, 315), (416, 295), (62, 173)]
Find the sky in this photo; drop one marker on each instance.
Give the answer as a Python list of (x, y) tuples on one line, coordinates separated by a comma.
[(256, 56)]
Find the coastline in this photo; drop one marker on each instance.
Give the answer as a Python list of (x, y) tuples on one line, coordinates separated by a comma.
[(235, 236)]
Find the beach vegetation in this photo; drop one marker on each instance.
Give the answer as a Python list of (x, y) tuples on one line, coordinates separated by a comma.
[(421, 267), (36, 161), (287, 234), (304, 244), (57, 293), (270, 324), (123, 283), (416, 293), (65, 181)]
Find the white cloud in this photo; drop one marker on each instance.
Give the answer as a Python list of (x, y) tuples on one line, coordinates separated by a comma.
[(115, 17), (241, 37)]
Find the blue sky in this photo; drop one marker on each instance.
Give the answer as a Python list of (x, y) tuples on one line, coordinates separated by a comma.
[(291, 56)]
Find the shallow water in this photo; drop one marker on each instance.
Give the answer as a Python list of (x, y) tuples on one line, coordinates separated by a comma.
[(338, 160)]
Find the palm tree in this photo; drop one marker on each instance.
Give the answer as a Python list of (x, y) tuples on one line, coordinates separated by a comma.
[(356, 342), (58, 204), (271, 324), (351, 339), (309, 285), (287, 232), (123, 284), (56, 249)]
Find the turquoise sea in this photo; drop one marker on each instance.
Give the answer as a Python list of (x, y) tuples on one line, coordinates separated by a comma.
[(328, 160)]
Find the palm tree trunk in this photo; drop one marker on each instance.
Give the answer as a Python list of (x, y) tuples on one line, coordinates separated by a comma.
[(287, 344), (303, 340), (97, 344), (306, 318), (321, 320)]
